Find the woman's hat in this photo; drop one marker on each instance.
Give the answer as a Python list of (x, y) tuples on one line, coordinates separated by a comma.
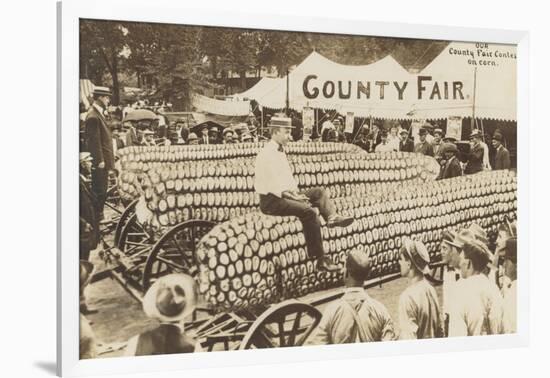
[(171, 298)]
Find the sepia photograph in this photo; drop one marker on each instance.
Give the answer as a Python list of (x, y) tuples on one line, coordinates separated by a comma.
[(247, 188)]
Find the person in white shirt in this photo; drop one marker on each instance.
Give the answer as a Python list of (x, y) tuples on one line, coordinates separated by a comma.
[(478, 305), (356, 317), (385, 145), (450, 256), (279, 193), (418, 309), (510, 291)]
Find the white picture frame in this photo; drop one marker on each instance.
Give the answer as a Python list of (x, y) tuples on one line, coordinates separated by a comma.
[(69, 13)]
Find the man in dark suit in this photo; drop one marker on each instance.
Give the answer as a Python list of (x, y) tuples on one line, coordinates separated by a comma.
[(451, 167), (424, 147), (405, 143), (475, 157), (502, 156), (89, 225), (100, 145)]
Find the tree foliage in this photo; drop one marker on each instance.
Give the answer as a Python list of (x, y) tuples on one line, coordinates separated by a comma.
[(192, 59)]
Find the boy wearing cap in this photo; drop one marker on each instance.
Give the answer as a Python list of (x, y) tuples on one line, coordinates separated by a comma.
[(418, 309), (502, 156), (424, 147), (451, 166), (478, 306), (279, 194), (356, 317), (406, 144), (228, 135), (169, 300), (510, 291)]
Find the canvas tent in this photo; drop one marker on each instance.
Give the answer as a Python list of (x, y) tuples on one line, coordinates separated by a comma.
[(268, 92), (384, 89), (220, 107), (486, 75), (374, 90)]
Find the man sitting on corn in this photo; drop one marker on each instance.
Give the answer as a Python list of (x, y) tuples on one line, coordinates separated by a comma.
[(279, 193)]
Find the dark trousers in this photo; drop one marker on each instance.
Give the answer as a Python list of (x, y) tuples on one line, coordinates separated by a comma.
[(100, 182), (319, 198)]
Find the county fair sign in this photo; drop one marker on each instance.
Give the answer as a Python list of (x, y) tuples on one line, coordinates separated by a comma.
[(424, 87), (465, 76)]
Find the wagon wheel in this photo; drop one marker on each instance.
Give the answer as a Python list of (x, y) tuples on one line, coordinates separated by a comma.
[(175, 251), (113, 198), (123, 220), (287, 324)]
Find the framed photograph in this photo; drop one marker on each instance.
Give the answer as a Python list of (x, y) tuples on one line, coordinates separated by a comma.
[(285, 188)]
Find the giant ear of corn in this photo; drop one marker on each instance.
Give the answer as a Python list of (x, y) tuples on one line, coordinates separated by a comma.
[(176, 189), (256, 259)]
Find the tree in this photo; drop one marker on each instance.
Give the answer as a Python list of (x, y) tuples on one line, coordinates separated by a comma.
[(103, 41)]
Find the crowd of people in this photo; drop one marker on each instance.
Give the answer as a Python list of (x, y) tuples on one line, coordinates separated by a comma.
[(479, 285), (431, 141)]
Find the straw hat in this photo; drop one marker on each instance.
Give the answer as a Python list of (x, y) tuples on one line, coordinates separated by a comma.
[(282, 122), (171, 298)]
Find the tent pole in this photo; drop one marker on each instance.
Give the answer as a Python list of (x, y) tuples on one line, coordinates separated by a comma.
[(472, 123), (262, 123), (287, 99)]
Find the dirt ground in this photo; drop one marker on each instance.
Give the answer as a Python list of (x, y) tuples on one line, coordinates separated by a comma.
[(119, 316)]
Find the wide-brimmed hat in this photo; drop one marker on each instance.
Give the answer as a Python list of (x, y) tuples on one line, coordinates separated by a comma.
[(449, 147), (86, 270), (449, 139), (102, 91), (171, 298), (228, 131), (417, 253), (462, 237), (475, 134), (282, 122), (479, 233)]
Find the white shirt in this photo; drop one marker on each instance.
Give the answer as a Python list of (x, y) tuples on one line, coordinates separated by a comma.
[(338, 325), (450, 281), (419, 312), (477, 308), (510, 308), (386, 147), (272, 171), (486, 164)]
